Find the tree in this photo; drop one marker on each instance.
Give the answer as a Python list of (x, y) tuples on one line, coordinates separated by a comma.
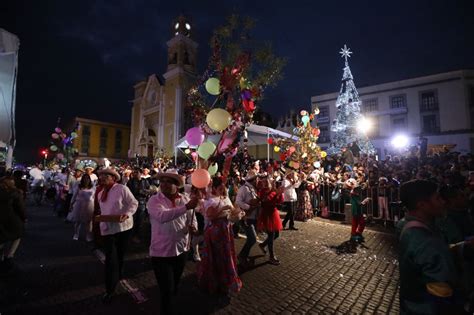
[(348, 116)]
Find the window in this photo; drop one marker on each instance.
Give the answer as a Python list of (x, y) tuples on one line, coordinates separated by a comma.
[(430, 123), (399, 123), (86, 135), (370, 105), (324, 135), (398, 101), (118, 141), (103, 142), (323, 111), (428, 101)]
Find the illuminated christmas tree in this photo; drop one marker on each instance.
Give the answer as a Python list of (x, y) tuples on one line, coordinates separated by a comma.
[(348, 117)]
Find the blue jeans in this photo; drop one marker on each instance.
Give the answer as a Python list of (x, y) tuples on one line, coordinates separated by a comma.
[(251, 238)]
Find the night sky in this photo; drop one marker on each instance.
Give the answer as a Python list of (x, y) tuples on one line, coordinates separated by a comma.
[(81, 58)]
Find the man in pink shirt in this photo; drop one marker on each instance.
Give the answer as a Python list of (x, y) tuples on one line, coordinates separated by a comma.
[(172, 220)]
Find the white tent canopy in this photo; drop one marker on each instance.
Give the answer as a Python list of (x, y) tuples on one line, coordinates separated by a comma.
[(257, 135)]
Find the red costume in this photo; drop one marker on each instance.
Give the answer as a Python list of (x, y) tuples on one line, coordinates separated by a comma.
[(269, 218)]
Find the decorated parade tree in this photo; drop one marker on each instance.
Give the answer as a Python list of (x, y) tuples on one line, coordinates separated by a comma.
[(349, 119), (303, 151), (224, 99), (61, 150)]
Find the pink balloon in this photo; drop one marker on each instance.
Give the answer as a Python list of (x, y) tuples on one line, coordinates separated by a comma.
[(54, 136), (58, 130), (200, 178), (194, 136)]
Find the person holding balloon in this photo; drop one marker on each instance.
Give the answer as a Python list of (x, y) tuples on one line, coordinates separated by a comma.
[(172, 221)]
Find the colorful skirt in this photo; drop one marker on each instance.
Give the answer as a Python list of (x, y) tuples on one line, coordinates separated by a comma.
[(217, 271)]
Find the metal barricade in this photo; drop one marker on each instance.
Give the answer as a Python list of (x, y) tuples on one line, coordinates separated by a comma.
[(387, 199)]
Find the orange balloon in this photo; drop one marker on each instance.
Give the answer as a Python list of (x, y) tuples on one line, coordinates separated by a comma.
[(200, 178)]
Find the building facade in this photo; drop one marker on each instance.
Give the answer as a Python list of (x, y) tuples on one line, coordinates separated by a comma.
[(158, 112), (439, 107), (97, 140)]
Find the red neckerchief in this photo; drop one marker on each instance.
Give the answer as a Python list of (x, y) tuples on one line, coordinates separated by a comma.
[(173, 198), (105, 192)]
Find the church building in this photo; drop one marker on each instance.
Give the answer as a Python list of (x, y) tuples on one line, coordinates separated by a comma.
[(158, 112)]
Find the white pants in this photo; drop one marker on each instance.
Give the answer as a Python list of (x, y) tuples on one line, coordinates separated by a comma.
[(383, 208)]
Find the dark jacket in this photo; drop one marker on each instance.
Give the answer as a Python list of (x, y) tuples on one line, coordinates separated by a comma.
[(12, 215)]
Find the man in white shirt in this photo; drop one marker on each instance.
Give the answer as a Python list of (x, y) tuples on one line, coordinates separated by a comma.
[(172, 220), (247, 200), (290, 198), (117, 206)]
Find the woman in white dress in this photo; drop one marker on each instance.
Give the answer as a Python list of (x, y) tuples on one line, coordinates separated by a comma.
[(82, 204)]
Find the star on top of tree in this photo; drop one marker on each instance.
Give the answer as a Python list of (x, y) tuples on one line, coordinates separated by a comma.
[(345, 52)]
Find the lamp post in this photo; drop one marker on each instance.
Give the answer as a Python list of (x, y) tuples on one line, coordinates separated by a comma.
[(45, 157)]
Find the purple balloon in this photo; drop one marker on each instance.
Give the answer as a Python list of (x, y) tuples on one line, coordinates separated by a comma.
[(194, 136)]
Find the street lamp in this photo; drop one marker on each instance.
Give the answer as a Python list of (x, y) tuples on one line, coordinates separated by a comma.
[(364, 125), (400, 141), (45, 157)]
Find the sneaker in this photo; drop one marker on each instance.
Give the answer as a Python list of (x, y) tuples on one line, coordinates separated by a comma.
[(75, 237), (274, 261), (262, 248)]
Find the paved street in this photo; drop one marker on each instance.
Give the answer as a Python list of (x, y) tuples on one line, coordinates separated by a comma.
[(319, 274)]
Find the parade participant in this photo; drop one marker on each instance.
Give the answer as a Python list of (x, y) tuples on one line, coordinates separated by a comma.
[(90, 171), (427, 271), (126, 176), (358, 220), (290, 198), (139, 186), (73, 185), (12, 221), (269, 219), (247, 200), (172, 220), (38, 183), (117, 206), (217, 272), (304, 210), (82, 212)]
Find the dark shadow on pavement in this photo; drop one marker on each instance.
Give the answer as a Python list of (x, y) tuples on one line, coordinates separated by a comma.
[(347, 247)]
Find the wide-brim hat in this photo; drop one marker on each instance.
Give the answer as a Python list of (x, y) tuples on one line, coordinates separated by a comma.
[(173, 174), (110, 171), (251, 175), (88, 167)]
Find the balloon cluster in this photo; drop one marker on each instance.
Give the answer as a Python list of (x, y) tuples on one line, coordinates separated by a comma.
[(61, 144), (305, 150), (224, 99)]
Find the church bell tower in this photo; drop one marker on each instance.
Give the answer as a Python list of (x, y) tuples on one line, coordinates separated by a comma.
[(180, 75)]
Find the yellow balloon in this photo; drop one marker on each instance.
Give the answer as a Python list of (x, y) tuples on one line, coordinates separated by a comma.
[(206, 149), (323, 154), (213, 86), (276, 149), (218, 119)]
